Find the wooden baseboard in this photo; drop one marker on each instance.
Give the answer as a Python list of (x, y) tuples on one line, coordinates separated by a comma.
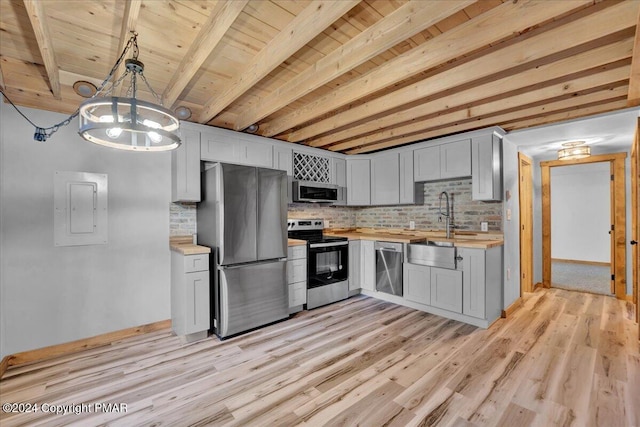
[(57, 350), (513, 307), (577, 261)]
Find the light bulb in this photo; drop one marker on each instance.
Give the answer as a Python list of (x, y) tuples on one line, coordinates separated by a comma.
[(154, 137), (114, 132)]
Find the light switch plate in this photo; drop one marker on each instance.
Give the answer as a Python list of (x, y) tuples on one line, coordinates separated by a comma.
[(412, 225), (508, 214)]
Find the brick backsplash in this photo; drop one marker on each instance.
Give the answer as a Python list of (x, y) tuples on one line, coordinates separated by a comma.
[(467, 213), (334, 216), (182, 219)]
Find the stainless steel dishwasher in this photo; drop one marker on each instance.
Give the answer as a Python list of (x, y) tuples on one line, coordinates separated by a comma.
[(389, 259)]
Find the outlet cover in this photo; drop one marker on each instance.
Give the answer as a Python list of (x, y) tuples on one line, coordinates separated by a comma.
[(484, 226), (412, 225)]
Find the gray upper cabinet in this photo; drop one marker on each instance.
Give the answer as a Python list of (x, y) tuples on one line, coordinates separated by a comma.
[(256, 153), (385, 179), (185, 168), (358, 182), (446, 161), (283, 159), (218, 148), (217, 145), (426, 164), (339, 172), (455, 159), (410, 191), (486, 161)]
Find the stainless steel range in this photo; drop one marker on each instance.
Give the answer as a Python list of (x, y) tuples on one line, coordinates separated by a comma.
[(327, 262)]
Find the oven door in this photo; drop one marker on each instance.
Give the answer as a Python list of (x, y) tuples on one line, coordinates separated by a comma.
[(328, 263)]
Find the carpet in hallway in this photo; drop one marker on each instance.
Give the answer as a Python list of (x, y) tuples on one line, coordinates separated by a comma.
[(581, 277)]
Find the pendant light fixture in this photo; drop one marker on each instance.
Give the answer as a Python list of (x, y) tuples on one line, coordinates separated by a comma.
[(574, 150), (128, 123)]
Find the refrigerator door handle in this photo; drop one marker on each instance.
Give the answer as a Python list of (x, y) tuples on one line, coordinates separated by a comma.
[(237, 266)]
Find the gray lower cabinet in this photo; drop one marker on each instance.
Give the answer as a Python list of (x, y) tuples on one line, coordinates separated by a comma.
[(297, 277), (368, 264), (482, 282), (190, 315), (355, 278), (185, 168), (385, 179), (358, 182), (416, 281), (446, 289)]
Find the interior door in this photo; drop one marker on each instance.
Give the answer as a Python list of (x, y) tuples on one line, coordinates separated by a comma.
[(526, 223)]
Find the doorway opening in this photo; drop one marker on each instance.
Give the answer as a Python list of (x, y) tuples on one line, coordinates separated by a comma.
[(617, 218), (581, 200), (525, 187)]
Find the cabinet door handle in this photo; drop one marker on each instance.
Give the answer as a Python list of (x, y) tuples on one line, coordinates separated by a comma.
[(633, 242), (459, 258)]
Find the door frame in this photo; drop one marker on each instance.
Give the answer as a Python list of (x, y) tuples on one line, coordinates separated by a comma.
[(618, 220), (525, 192), (635, 224)]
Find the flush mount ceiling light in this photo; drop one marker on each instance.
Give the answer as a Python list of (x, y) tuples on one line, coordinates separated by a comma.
[(183, 112), (574, 150), (128, 123), (252, 128), (85, 89)]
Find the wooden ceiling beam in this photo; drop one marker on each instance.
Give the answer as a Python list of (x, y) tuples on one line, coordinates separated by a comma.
[(460, 123), (535, 76), (497, 24), (405, 22), (633, 97), (610, 20), (208, 38), (313, 20), (38, 18), (129, 24), (572, 113), (533, 96)]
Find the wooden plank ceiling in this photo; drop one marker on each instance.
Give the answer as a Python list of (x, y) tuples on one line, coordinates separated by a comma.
[(343, 75)]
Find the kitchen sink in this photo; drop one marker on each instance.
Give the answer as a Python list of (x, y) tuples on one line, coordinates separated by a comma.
[(438, 243), (432, 254)]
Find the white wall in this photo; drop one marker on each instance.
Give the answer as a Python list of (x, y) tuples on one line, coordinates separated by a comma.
[(51, 295), (581, 212), (511, 227)]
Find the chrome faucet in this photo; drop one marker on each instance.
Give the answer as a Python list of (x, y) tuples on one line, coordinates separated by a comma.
[(447, 214)]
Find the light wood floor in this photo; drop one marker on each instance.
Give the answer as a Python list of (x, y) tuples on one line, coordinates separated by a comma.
[(565, 358)]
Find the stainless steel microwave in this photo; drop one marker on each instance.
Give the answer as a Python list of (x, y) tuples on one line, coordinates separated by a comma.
[(305, 191)]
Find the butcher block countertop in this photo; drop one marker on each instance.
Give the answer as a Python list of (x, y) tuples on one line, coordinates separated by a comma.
[(461, 239), (185, 246), (296, 242)]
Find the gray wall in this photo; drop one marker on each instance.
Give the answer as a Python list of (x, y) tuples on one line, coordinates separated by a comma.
[(52, 295), (511, 227)]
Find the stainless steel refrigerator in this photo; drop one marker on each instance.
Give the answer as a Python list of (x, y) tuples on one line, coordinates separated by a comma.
[(243, 217)]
